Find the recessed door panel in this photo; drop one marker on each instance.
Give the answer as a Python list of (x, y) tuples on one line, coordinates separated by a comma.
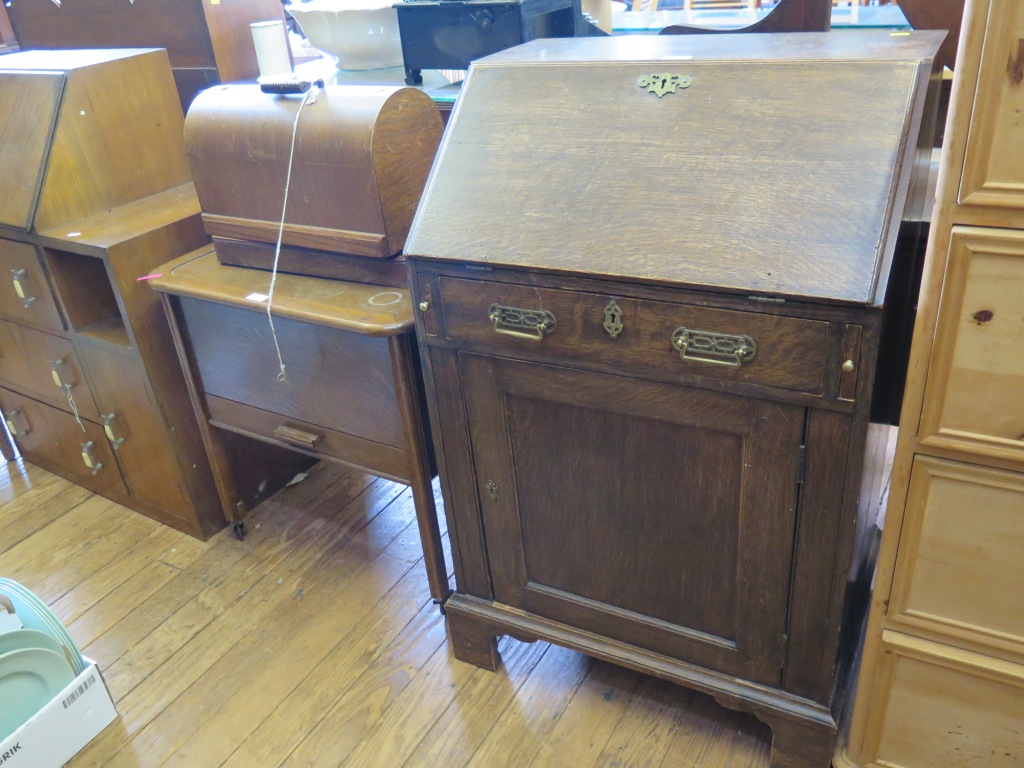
[(654, 514)]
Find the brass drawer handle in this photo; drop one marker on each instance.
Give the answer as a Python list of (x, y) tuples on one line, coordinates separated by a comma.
[(87, 457), (108, 428), (12, 418), (714, 348), (297, 436), (532, 324), (21, 286), (55, 368)]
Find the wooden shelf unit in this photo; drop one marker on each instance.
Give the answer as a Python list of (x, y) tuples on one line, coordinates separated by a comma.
[(90, 386), (942, 675)]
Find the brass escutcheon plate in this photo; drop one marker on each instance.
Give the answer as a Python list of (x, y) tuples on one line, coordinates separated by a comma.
[(665, 82), (613, 319)]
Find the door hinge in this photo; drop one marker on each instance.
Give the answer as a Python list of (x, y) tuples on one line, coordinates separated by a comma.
[(783, 652), (801, 465)]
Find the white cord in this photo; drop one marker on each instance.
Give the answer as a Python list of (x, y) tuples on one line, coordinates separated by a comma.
[(309, 98), (74, 408)]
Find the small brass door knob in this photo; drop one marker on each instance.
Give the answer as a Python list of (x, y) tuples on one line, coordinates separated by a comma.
[(849, 365)]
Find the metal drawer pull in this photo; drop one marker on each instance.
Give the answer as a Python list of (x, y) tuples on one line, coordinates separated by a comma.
[(297, 436), (87, 458), (532, 324), (115, 441), (714, 348), (12, 418), (20, 277), (57, 378)]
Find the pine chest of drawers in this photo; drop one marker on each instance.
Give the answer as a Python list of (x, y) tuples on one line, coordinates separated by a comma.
[(650, 277)]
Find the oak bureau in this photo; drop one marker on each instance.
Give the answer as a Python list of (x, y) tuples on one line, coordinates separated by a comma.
[(649, 278)]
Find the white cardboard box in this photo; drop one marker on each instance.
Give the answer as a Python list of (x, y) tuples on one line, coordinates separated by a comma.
[(58, 731)]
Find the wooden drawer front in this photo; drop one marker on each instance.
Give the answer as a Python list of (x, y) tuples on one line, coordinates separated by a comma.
[(994, 164), (960, 565), (340, 380), (936, 705), (309, 438), (13, 365), (24, 291), (34, 361), (973, 397), (53, 439), (790, 352), (135, 429)]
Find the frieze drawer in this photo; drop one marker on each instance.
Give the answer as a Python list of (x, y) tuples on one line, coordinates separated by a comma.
[(312, 439), (644, 337)]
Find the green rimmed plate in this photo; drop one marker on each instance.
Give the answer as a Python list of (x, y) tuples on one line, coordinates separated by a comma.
[(22, 639), (35, 614), (29, 678)]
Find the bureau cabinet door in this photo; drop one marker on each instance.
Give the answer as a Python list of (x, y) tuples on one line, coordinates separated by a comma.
[(658, 515), (973, 398), (994, 164)]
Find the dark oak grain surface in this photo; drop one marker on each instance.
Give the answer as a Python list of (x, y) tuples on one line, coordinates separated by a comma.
[(863, 45), (694, 521), (790, 351), (774, 177), (664, 492)]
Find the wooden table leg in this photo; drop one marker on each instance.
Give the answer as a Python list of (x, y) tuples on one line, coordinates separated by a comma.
[(218, 462), (408, 389)]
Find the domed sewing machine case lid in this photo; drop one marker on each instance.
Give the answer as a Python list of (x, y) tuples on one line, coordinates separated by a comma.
[(362, 154), (769, 164)]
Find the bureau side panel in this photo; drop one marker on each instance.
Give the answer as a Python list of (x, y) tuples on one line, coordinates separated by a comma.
[(462, 507)]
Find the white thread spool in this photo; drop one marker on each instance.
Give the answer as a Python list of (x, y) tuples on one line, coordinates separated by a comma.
[(271, 42)]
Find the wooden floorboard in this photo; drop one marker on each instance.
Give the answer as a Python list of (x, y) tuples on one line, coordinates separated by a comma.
[(314, 643)]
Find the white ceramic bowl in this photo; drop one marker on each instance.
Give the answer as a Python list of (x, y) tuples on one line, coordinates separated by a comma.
[(357, 34)]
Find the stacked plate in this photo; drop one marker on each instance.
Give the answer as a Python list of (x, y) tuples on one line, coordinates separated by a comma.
[(37, 661)]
